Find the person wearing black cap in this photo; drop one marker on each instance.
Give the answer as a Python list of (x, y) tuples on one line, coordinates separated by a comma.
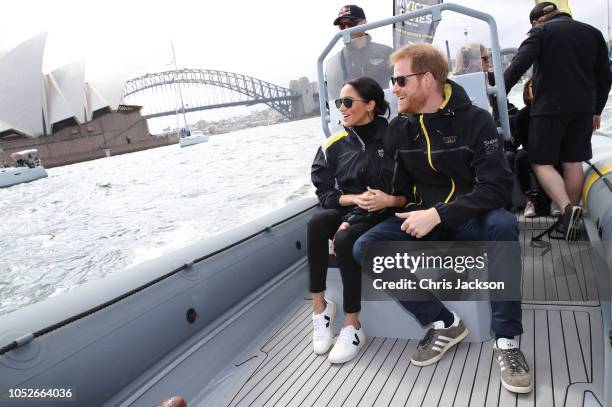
[(362, 57), (571, 77)]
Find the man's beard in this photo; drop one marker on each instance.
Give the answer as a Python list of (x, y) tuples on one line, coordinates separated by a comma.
[(415, 102)]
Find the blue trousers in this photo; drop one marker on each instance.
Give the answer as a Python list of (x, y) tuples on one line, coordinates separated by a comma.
[(495, 225)]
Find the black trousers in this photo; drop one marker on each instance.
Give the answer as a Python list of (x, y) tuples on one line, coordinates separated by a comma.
[(321, 228), (522, 169)]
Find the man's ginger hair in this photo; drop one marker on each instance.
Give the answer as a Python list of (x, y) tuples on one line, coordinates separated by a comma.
[(424, 58)]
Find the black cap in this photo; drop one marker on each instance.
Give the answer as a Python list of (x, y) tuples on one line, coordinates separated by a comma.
[(541, 9), (351, 12)]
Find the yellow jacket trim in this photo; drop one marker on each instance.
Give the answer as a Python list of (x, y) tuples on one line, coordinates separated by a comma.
[(335, 138), (415, 195), (422, 122), (448, 91), (591, 180), (451, 192)]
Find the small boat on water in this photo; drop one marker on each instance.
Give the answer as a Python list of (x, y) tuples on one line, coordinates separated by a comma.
[(189, 138), (227, 321), (26, 167)]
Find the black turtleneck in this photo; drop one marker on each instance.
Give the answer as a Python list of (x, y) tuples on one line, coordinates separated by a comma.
[(367, 131)]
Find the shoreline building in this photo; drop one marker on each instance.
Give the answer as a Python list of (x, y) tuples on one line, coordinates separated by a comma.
[(66, 118)]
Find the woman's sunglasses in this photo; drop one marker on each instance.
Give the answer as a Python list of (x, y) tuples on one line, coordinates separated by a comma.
[(347, 102), (401, 80)]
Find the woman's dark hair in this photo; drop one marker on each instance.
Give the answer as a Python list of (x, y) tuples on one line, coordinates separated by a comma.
[(369, 89)]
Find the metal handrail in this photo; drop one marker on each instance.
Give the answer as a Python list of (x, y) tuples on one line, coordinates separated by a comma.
[(499, 90)]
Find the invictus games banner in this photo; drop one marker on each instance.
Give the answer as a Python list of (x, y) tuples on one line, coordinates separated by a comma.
[(420, 29)]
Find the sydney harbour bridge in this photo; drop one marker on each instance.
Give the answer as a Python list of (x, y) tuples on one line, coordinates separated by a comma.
[(189, 90)]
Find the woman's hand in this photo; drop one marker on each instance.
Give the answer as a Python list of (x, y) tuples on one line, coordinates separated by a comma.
[(377, 200), (343, 226), (361, 200)]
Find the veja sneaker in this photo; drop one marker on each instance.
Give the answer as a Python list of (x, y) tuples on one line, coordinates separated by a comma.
[(322, 335), (348, 344), (530, 211), (438, 341), (515, 374)]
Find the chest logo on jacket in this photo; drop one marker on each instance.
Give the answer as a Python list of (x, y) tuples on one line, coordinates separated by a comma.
[(491, 146), (376, 61), (449, 140)]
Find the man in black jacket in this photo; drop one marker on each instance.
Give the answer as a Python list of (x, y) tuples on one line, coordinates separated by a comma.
[(450, 153), (571, 86)]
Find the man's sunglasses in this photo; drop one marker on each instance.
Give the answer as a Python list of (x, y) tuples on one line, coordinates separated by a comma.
[(401, 80), (348, 24), (347, 102)]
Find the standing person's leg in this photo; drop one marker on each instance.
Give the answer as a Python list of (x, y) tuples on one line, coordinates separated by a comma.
[(550, 141), (576, 148), (544, 152), (321, 227), (573, 177)]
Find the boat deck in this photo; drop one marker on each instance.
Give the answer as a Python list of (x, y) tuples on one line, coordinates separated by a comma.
[(562, 343)]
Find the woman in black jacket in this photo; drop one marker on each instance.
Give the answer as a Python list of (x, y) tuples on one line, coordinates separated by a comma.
[(352, 175)]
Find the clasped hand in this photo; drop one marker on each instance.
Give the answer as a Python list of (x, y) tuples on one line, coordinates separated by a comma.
[(372, 200)]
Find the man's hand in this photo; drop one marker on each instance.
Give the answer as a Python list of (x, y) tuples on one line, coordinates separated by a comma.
[(376, 200), (419, 223), (343, 226), (596, 122)]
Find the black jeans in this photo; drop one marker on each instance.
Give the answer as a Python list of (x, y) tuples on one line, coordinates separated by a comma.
[(321, 228)]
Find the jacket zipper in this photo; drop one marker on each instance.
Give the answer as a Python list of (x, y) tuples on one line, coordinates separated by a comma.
[(422, 122), (363, 147)]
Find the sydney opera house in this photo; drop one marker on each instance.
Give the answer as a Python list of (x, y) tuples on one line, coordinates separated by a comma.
[(65, 117)]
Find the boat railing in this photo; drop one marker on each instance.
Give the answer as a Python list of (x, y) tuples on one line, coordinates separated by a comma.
[(498, 90)]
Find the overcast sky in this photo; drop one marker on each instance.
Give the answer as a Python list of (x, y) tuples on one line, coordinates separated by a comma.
[(275, 40)]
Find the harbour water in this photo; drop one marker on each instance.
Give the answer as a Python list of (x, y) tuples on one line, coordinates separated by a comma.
[(91, 219)]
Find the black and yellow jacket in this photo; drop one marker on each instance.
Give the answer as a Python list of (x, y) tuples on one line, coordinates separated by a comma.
[(453, 159), (347, 164)]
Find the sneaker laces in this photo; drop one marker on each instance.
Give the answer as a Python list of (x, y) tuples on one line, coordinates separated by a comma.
[(428, 339), (515, 361), (320, 328), (344, 338)]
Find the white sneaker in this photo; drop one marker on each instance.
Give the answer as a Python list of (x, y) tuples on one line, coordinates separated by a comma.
[(348, 344), (322, 335), (530, 211), (554, 210)]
